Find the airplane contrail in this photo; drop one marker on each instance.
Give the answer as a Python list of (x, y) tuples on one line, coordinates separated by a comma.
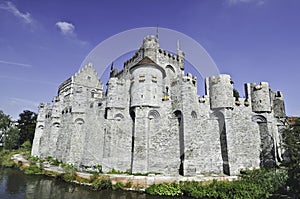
[(15, 63)]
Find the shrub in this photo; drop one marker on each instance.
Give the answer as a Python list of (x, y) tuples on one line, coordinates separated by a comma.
[(128, 184), (99, 168), (255, 184), (55, 162), (5, 158), (33, 169), (118, 186), (113, 171), (101, 184), (69, 176), (164, 189), (26, 145)]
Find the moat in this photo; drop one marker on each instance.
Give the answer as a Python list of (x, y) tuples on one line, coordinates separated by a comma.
[(15, 184)]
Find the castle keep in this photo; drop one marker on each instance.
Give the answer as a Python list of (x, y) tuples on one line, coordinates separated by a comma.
[(151, 119)]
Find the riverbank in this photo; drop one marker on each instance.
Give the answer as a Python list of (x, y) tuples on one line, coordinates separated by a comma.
[(130, 182), (14, 183), (251, 184)]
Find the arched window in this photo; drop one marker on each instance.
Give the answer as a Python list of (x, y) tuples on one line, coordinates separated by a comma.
[(79, 121), (171, 68), (118, 117), (56, 124), (153, 114), (259, 119), (41, 127), (194, 115)]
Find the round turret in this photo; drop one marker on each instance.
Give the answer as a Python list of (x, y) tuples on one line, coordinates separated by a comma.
[(260, 97), (221, 91), (146, 87)]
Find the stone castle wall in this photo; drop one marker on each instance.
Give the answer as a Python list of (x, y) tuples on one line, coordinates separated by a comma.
[(151, 119)]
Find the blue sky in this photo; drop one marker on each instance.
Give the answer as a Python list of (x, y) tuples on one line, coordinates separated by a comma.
[(42, 43)]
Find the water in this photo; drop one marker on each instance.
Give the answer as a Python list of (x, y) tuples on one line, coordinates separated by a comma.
[(14, 184)]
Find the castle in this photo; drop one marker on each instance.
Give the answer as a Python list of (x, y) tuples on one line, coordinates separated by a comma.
[(151, 119)]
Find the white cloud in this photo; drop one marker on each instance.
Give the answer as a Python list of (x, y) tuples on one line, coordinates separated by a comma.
[(235, 2), (15, 63), (66, 28), (10, 7)]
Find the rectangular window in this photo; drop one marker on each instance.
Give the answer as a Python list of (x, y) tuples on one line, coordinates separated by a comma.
[(154, 79), (142, 77)]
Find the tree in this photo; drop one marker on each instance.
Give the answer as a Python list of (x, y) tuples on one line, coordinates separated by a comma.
[(291, 139), (11, 138), (5, 122), (236, 94), (26, 124)]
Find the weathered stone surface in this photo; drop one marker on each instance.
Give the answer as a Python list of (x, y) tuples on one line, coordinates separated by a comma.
[(151, 119)]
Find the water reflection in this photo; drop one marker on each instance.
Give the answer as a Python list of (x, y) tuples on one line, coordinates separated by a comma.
[(14, 184)]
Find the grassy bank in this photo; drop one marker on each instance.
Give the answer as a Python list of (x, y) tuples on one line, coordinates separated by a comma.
[(256, 184)]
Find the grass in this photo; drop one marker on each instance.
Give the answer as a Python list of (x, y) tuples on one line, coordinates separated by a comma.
[(254, 184)]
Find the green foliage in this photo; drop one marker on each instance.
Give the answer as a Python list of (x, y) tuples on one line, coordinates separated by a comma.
[(5, 158), (70, 172), (5, 121), (113, 171), (26, 124), (67, 166), (144, 174), (33, 169), (55, 162), (101, 184), (199, 190), (26, 145), (33, 159), (291, 139), (164, 189), (128, 184), (11, 138), (69, 176), (99, 168), (255, 184), (118, 186), (236, 94)]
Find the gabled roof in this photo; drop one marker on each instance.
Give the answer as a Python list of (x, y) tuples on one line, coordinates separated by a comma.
[(146, 60)]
